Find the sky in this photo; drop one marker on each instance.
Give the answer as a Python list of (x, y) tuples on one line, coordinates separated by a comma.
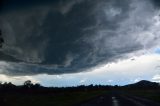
[(80, 42)]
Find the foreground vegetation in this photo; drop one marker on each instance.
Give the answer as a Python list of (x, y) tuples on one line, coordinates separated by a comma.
[(36, 95), (61, 99), (151, 94), (30, 94)]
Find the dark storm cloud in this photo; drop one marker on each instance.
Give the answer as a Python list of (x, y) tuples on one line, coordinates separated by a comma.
[(11, 5), (66, 36), (156, 3)]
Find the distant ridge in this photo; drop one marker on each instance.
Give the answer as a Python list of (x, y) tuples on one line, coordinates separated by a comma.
[(143, 84)]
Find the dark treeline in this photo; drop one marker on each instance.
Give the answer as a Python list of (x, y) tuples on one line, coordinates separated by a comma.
[(29, 87)]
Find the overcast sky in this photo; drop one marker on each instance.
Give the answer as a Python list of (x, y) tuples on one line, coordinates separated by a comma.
[(74, 42)]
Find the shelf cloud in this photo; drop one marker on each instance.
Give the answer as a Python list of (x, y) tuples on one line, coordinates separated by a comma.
[(70, 36)]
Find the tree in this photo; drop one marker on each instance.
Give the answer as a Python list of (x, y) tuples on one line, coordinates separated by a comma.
[(28, 84), (37, 85)]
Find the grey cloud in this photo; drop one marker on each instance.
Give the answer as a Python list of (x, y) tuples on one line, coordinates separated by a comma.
[(70, 36), (64, 6)]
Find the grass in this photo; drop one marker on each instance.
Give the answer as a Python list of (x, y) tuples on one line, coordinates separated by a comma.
[(148, 94), (66, 98), (62, 99)]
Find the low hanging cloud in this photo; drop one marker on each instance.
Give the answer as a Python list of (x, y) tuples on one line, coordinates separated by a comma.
[(69, 36), (156, 78)]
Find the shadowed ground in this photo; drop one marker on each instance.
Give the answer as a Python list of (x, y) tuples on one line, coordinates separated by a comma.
[(119, 99)]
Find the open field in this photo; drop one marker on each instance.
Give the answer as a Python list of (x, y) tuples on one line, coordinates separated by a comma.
[(81, 98), (148, 94), (59, 99)]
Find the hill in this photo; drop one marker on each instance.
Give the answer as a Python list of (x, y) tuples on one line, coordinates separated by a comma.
[(143, 84)]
